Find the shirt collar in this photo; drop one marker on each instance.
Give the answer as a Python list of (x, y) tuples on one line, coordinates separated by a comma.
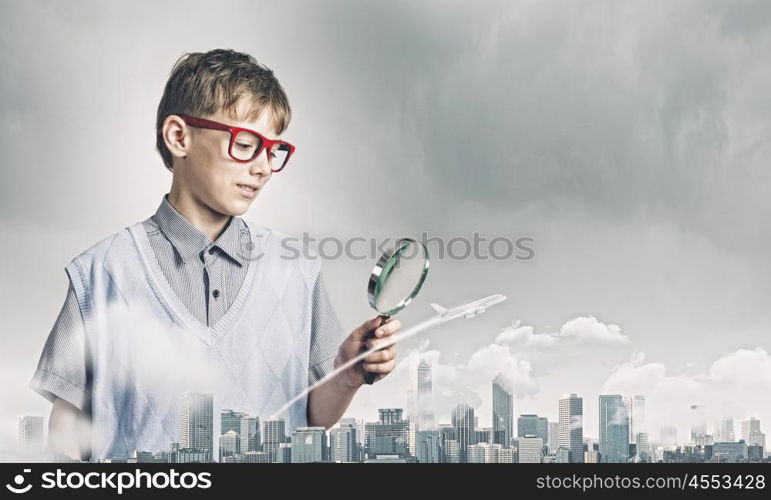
[(189, 241)]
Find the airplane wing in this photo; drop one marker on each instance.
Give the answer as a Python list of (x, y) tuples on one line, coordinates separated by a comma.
[(439, 308)]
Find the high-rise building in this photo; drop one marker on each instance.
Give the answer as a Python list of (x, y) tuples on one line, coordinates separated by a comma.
[(342, 444), (475, 453), (230, 420), (530, 450), (255, 457), (283, 453), (388, 436), (571, 427), (642, 447), (724, 430), (274, 434), (197, 422), (614, 429), (249, 435), (428, 447), (309, 444), (451, 451), (635, 407), (420, 397), (483, 435), (534, 426), (463, 421), (699, 435), (669, 435), (553, 437), (31, 435), (446, 433), (358, 424), (752, 434), (506, 455), (229, 445), (729, 452), (503, 411), (591, 456)]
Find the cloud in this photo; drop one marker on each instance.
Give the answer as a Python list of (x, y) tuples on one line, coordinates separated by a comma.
[(589, 329), (525, 336), (736, 384), (743, 367), (581, 329)]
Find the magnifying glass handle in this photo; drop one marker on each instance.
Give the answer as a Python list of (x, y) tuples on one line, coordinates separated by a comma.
[(369, 377)]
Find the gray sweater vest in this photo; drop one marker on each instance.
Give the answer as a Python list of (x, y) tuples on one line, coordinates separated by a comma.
[(149, 359)]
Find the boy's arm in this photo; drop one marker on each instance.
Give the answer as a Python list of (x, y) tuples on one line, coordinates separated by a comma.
[(61, 377), (328, 403), (69, 431)]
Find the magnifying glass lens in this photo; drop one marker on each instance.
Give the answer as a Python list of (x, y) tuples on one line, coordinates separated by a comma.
[(400, 277)]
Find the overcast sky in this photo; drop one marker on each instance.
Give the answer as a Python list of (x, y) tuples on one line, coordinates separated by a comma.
[(630, 140)]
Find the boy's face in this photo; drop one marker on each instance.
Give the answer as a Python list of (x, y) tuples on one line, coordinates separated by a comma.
[(211, 177)]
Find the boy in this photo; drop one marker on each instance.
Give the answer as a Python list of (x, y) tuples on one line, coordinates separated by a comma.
[(196, 299)]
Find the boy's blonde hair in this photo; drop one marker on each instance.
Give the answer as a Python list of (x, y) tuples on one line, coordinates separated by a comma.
[(202, 84)]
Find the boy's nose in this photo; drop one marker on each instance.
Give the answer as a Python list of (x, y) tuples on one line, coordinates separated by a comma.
[(261, 164)]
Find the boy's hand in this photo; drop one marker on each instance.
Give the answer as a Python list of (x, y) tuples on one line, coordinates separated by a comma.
[(362, 338)]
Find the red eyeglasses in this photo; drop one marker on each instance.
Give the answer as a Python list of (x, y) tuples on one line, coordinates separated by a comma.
[(246, 145)]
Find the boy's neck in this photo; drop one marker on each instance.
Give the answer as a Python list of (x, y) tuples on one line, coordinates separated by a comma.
[(209, 222)]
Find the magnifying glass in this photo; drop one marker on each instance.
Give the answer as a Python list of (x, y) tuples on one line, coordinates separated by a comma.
[(396, 280)]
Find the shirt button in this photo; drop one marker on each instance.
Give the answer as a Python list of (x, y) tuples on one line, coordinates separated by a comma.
[(216, 293)]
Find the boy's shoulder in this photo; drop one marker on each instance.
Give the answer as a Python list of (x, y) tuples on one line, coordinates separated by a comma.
[(116, 243)]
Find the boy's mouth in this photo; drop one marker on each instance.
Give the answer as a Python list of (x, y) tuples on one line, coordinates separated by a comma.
[(248, 190)]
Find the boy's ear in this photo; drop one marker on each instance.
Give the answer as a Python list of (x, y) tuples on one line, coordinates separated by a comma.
[(176, 136)]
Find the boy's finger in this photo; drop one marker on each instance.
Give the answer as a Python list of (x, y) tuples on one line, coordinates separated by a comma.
[(379, 343), (386, 367), (365, 328), (381, 356), (389, 328)]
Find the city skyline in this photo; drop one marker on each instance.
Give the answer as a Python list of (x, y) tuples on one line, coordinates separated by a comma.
[(623, 437)]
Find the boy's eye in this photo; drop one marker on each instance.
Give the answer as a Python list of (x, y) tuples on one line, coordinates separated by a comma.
[(244, 145)]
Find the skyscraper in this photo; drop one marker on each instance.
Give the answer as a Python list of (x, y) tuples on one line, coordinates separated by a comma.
[(554, 433), (420, 397), (530, 449), (230, 420), (752, 434), (724, 430), (463, 421), (309, 444), (614, 429), (358, 424), (533, 426), (635, 406), (342, 444), (228, 445), (427, 447), (503, 411), (389, 435), (571, 426), (197, 422), (669, 435), (31, 434), (250, 434), (274, 434)]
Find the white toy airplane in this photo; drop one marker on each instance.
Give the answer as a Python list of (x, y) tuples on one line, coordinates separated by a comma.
[(468, 310)]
